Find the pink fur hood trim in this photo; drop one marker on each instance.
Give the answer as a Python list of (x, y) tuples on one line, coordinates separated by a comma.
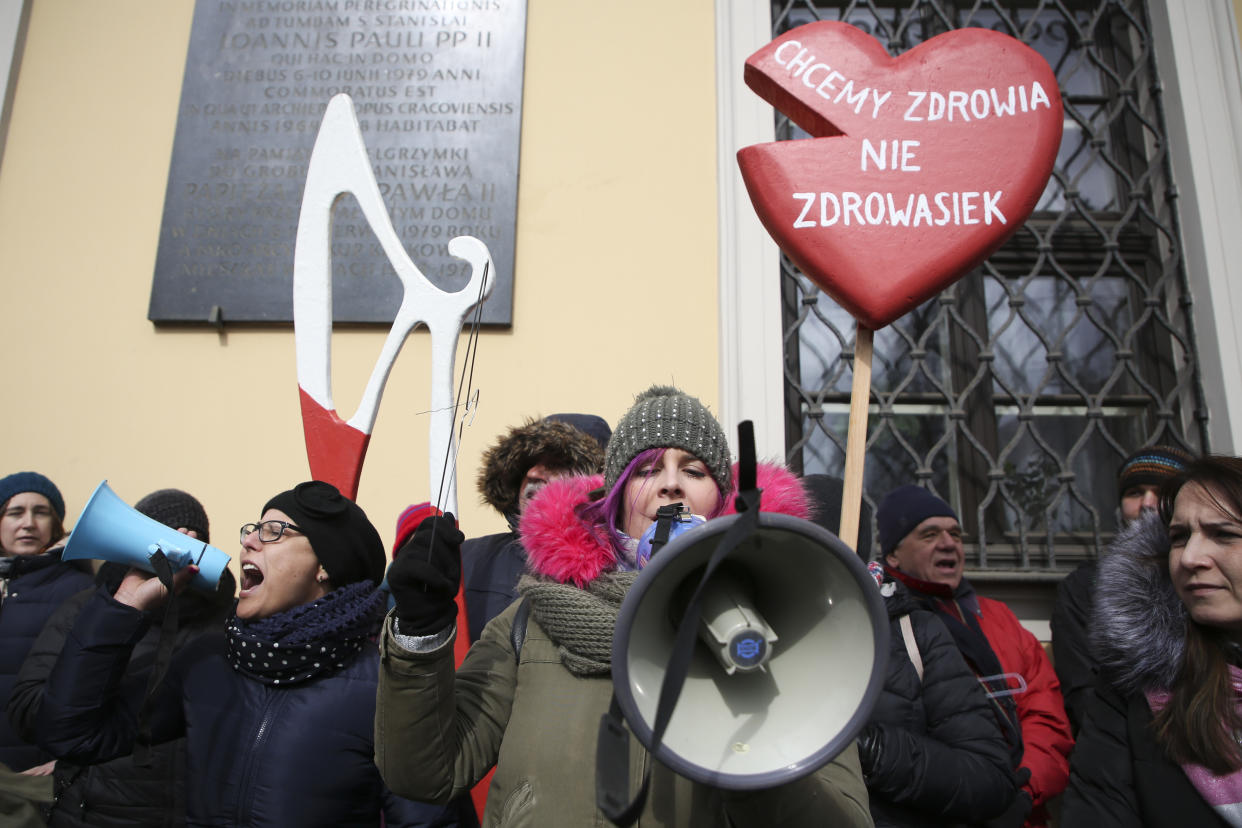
[(561, 547)]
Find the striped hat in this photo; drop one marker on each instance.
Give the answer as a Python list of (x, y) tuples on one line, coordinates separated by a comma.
[(1150, 466)]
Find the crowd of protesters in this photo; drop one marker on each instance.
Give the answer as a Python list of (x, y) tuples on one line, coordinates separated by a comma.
[(321, 687)]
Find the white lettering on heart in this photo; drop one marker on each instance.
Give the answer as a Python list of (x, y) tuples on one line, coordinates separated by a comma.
[(826, 81), (976, 105), (931, 210), (898, 155)]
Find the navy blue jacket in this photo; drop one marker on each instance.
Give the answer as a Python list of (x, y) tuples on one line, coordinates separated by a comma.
[(37, 585), (257, 755), (129, 791), (490, 568)]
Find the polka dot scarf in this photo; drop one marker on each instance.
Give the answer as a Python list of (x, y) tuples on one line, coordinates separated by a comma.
[(308, 641)]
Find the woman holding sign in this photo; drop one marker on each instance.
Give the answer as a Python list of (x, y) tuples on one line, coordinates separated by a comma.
[(529, 696)]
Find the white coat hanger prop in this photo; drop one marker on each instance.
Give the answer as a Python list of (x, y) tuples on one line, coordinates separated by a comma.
[(336, 448)]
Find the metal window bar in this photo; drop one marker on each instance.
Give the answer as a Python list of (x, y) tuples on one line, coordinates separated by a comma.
[(1016, 393)]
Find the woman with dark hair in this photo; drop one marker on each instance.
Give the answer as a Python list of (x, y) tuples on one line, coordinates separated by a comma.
[(529, 695), (276, 708), (33, 583), (1160, 744)]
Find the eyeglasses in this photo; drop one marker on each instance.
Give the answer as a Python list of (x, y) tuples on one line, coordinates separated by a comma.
[(269, 530)]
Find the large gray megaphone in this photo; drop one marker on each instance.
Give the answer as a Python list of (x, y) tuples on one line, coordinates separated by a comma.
[(109, 529), (791, 658)]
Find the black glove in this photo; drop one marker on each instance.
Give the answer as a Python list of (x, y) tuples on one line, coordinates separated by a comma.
[(1017, 812), (869, 749), (425, 576)]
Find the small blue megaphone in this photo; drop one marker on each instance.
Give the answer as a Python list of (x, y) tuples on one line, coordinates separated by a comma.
[(109, 529), (673, 520)]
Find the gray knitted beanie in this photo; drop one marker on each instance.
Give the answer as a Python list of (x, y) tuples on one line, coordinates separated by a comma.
[(665, 417)]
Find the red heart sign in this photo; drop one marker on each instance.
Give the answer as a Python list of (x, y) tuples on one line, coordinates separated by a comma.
[(921, 165)]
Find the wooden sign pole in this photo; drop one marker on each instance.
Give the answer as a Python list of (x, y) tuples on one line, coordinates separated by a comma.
[(856, 437)]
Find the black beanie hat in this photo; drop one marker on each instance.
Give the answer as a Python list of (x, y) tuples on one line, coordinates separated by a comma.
[(902, 510), (176, 510), (826, 491), (339, 532)]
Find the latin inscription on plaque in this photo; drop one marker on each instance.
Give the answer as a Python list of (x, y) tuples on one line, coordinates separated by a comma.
[(437, 87)]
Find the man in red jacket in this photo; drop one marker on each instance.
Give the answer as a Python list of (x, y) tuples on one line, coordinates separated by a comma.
[(921, 546)]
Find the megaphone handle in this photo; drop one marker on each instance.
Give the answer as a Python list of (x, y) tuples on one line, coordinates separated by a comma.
[(747, 467), (612, 770)]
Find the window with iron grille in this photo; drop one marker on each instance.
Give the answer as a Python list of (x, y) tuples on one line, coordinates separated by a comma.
[(1016, 394)]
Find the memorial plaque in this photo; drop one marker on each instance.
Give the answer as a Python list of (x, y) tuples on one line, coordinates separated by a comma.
[(437, 86)]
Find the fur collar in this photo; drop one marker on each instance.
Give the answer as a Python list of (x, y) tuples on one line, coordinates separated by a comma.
[(561, 547), (1138, 624)]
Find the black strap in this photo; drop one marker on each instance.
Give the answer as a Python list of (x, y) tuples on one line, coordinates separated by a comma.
[(978, 652), (517, 635), (612, 751), (665, 517), (163, 657)]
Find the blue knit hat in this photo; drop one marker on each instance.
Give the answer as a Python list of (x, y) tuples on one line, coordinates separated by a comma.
[(903, 509), (29, 481)]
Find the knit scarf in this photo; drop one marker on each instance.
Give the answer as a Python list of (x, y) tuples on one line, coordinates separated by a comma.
[(579, 621), (1223, 793), (308, 641)]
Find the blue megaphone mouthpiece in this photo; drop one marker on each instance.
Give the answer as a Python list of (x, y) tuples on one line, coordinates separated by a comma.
[(670, 522)]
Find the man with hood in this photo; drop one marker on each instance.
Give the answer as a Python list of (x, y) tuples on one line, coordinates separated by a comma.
[(514, 470)]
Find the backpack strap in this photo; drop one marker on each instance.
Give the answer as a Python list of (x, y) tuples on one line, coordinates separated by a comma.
[(517, 636), (912, 647)]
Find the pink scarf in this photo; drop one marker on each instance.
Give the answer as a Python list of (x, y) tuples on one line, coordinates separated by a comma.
[(1223, 793)]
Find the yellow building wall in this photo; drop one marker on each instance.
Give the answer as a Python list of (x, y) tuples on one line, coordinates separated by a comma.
[(615, 284)]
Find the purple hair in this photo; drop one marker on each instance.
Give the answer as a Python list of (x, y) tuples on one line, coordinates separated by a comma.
[(605, 513)]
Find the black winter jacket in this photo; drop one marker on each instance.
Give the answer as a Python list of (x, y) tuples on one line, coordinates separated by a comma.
[(490, 568), (1119, 775), (119, 793), (932, 753), (1071, 644), (37, 585), (257, 755)]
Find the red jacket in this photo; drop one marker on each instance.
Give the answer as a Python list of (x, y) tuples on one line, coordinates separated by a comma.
[(1046, 738)]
